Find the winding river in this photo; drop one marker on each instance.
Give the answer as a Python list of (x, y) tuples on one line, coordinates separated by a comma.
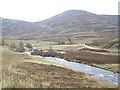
[(98, 73), (94, 71)]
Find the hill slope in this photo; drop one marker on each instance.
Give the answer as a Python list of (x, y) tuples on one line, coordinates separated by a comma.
[(71, 23)]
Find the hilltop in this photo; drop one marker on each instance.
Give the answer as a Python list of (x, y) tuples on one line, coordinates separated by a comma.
[(69, 24)]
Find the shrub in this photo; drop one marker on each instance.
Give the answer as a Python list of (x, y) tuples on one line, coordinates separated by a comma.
[(13, 46), (20, 47), (28, 45)]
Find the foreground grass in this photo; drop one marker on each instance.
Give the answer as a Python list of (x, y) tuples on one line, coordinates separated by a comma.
[(23, 71), (42, 60), (11, 58)]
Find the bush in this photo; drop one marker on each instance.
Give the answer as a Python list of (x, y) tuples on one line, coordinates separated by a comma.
[(20, 47), (61, 43), (13, 46), (28, 45)]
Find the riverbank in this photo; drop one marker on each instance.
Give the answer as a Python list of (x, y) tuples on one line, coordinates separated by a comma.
[(22, 71), (98, 73), (97, 59)]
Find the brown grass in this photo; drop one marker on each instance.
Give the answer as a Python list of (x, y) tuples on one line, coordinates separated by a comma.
[(18, 73), (92, 57), (50, 76), (82, 56)]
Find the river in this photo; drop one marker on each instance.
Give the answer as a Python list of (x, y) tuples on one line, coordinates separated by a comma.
[(96, 72)]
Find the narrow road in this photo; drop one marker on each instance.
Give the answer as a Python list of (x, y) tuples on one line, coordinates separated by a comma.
[(89, 47)]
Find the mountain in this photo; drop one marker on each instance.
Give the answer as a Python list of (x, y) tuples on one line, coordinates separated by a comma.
[(113, 18), (18, 28), (69, 24)]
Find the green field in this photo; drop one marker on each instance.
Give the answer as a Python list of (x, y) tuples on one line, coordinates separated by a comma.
[(42, 44)]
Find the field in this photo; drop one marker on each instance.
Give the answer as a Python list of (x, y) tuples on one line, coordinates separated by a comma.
[(23, 71), (111, 65)]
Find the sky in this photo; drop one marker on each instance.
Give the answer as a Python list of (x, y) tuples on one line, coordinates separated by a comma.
[(37, 10)]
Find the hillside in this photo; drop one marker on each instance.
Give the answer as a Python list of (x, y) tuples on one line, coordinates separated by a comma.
[(69, 24), (18, 29)]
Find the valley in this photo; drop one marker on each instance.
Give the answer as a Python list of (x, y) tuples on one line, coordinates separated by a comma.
[(75, 36)]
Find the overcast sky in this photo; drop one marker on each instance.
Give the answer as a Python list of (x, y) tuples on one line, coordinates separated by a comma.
[(37, 10)]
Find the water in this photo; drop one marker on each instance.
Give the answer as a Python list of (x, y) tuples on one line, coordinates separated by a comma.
[(94, 71), (98, 73)]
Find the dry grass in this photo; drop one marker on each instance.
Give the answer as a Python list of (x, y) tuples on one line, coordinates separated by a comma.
[(30, 75), (99, 59), (82, 56), (112, 67), (19, 73), (93, 57)]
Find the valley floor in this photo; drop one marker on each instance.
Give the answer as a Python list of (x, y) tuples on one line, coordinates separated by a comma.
[(23, 71)]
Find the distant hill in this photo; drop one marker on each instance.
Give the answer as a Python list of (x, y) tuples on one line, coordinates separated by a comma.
[(18, 29), (69, 24), (113, 18)]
